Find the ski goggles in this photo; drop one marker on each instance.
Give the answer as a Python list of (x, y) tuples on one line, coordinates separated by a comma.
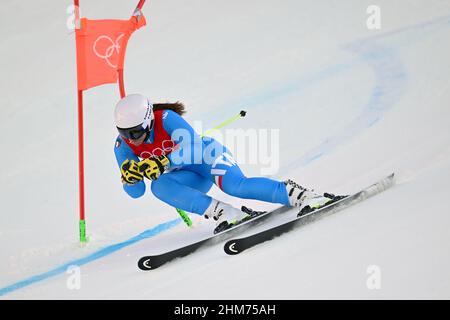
[(136, 132)]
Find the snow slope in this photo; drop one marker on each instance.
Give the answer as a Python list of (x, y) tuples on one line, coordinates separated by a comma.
[(351, 105)]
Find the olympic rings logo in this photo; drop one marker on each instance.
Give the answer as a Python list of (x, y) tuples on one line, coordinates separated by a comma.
[(167, 147), (109, 50)]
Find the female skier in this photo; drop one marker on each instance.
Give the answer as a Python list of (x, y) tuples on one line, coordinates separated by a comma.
[(166, 143)]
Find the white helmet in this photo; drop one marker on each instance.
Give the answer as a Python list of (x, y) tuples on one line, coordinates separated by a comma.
[(134, 116)]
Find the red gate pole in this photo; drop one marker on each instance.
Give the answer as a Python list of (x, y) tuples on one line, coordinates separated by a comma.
[(82, 222), (140, 5), (121, 83)]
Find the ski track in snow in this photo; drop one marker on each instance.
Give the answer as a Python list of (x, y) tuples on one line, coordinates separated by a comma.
[(389, 73)]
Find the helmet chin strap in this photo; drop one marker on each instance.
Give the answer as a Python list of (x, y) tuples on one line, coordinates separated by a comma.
[(151, 126), (147, 135)]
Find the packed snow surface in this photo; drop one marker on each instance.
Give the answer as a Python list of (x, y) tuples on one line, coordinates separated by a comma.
[(346, 104)]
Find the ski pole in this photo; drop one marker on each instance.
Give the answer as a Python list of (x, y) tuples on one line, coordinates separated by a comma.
[(185, 217), (241, 114), (223, 124)]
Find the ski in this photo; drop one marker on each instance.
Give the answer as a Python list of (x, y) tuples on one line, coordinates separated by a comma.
[(236, 246), (152, 262)]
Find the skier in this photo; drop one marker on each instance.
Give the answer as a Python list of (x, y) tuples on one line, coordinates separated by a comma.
[(182, 165)]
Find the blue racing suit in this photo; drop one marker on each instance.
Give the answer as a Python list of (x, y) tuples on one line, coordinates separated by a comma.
[(196, 164)]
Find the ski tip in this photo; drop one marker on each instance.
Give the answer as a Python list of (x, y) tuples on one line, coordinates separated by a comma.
[(144, 263), (389, 180), (231, 247)]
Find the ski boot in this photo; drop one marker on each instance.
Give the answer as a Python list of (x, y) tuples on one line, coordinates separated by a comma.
[(307, 200), (226, 215)]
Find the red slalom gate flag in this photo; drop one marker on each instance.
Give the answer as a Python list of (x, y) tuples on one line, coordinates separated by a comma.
[(101, 46)]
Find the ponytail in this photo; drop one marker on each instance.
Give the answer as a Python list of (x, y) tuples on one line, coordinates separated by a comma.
[(178, 107)]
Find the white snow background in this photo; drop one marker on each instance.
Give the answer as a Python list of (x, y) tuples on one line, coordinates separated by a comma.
[(351, 105)]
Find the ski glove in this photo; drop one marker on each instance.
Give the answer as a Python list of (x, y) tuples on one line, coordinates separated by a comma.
[(130, 172), (152, 168)]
